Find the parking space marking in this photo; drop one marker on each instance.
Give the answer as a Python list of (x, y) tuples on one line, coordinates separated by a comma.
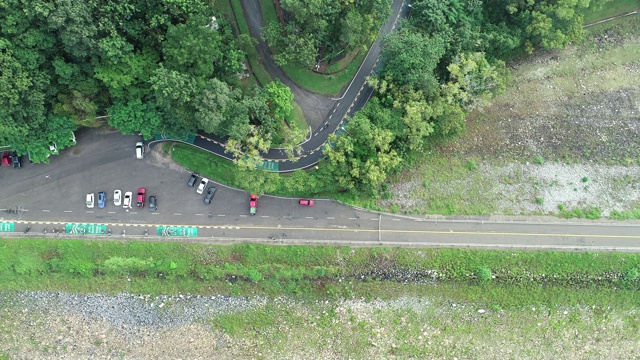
[(199, 214), (111, 212), (395, 219), (373, 219), (308, 217), (155, 213), (220, 214), (264, 215), (67, 211), (134, 213), (353, 218), (243, 215), (331, 218), (177, 214), (46, 210), (90, 211)]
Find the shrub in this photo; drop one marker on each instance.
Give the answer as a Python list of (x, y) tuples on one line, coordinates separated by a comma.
[(539, 201), (631, 274), (471, 165), (585, 179), (538, 160), (483, 274), (254, 275)]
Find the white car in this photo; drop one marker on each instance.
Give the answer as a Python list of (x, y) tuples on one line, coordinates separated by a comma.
[(117, 198), (202, 186), (127, 200), (90, 200), (139, 150)]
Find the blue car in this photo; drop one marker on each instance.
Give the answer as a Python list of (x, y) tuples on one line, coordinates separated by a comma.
[(102, 199)]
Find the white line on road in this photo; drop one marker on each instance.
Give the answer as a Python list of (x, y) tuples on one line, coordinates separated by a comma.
[(49, 210), (155, 213), (89, 211), (133, 213), (373, 219), (199, 214), (395, 219), (308, 217), (243, 215), (331, 218), (353, 218), (67, 211), (109, 212), (264, 215), (220, 215), (176, 214)]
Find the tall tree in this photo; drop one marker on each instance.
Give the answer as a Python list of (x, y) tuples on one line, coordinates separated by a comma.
[(363, 159), (410, 59)]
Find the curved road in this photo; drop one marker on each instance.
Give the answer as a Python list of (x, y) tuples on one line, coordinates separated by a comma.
[(324, 113)]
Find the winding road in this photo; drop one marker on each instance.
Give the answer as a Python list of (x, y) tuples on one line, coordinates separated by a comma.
[(325, 115)]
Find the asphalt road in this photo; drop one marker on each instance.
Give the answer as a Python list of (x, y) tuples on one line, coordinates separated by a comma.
[(50, 196)]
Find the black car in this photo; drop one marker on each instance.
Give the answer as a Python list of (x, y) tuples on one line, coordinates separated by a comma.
[(210, 192), (153, 204), (15, 159), (192, 179)]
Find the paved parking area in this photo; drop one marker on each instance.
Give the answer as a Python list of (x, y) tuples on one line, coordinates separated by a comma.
[(104, 160)]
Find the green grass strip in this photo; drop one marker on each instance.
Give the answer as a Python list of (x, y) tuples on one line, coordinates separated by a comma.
[(515, 278)]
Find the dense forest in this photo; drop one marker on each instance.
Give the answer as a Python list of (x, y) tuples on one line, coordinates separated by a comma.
[(151, 66), (445, 60), (171, 67)]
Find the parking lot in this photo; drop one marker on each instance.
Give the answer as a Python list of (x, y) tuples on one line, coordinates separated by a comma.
[(105, 160)]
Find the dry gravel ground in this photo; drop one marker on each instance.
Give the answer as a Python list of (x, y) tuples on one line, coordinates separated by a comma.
[(67, 326), (567, 131)]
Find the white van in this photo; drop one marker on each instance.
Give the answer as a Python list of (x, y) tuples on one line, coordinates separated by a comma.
[(139, 150)]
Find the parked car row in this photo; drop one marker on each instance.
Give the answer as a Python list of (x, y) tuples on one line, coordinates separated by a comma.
[(11, 158), (126, 201), (202, 186)]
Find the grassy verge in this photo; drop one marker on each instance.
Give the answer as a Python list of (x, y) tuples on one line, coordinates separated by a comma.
[(325, 84), (503, 279), (298, 184), (605, 9), (296, 119)]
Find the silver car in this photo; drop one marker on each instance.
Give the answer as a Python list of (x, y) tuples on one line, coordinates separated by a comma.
[(117, 198), (127, 200), (202, 186), (90, 200)]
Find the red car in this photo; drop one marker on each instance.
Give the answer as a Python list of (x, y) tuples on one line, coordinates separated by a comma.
[(253, 204), (6, 159), (141, 195), (306, 202)]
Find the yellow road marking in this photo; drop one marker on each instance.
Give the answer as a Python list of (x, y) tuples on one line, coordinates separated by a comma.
[(390, 231)]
